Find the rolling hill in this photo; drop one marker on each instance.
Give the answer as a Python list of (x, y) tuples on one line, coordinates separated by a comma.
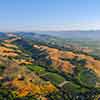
[(43, 67)]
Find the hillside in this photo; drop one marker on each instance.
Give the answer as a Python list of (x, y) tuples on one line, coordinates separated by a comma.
[(43, 67)]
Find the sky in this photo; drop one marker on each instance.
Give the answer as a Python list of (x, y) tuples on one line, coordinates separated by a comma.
[(36, 15)]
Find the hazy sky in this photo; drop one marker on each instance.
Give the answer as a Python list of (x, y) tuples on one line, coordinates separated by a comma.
[(28, 15)]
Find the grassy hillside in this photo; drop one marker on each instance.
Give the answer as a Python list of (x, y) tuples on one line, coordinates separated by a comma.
[(33, 69)]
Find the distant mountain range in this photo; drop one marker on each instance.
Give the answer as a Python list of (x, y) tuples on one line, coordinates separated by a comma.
[(89, 34), (74, 34)]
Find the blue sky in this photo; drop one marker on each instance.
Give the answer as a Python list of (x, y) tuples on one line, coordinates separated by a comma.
[(30, 15)]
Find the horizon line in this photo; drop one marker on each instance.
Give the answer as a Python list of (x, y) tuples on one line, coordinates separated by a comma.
[(52, 30)]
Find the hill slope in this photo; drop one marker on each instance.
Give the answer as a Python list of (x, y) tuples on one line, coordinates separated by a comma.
[(46, 69)]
